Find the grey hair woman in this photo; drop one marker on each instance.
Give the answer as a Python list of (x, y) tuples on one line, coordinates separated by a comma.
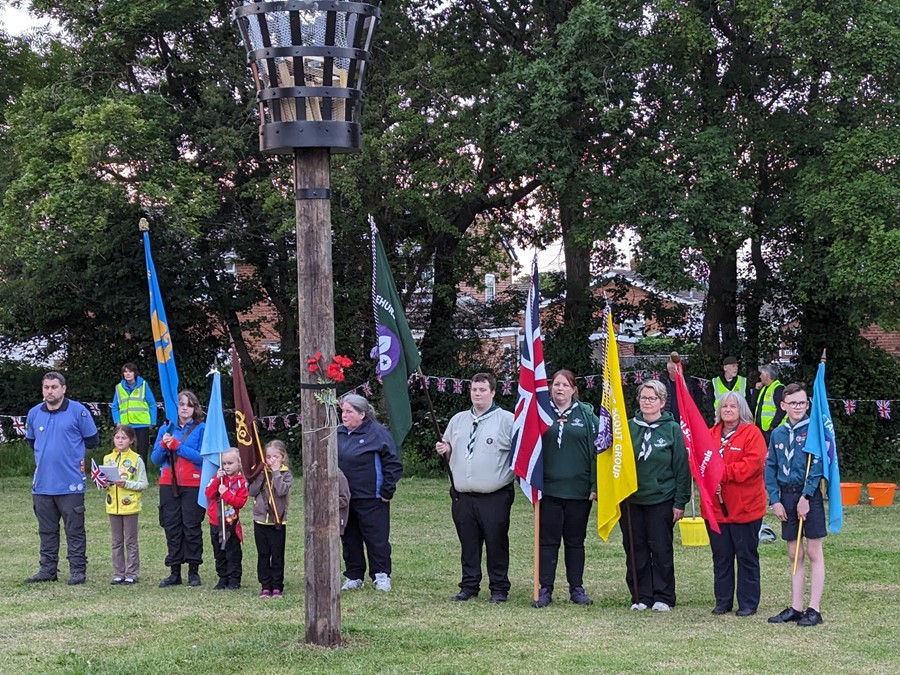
[(744, 414)]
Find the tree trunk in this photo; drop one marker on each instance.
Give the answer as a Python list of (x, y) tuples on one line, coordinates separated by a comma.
[(439, 345), (578, 308), (720, 317), (315, 302)]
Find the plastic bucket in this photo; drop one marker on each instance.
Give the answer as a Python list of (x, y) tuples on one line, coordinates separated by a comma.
[(693, 532), (881, 494), (850, 493)]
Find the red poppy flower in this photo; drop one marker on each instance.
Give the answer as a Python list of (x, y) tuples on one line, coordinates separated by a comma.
[(334, 372)]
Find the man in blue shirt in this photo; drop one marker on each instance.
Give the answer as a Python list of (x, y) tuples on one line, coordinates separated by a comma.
[(60, 431)]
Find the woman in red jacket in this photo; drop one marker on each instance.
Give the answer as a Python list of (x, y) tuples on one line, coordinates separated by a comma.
[(739, 507)]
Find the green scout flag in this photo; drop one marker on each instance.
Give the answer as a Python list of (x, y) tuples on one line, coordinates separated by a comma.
[(398, 356)]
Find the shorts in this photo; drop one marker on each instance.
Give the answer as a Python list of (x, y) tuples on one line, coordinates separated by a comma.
[(813, 526)]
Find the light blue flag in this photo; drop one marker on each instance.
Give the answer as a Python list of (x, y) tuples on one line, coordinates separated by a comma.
[(165, 357), (215, 439), (820, 442)]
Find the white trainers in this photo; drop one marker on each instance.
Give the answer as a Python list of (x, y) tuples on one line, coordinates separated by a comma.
[(661, 607), (382, 582), (352, 584), (639, 607)]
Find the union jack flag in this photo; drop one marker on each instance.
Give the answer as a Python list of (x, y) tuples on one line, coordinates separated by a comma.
[(270, 423), (2, 435), (94, 408), (19, 425), (442, 384), (366, 389), (624, 378), (849, 406), (589, 381), (97, 476), (457, 386), (654, 374), (287, 421), (507, 387), (704, 384), (534, 412), (639, 377), (884, 409)]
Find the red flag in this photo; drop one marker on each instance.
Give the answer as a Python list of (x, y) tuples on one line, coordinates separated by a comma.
[(707, 465), (252, 458)]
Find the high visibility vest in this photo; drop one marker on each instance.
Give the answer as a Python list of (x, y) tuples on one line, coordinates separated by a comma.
[(719, 388), (765, 406), (133, 406)]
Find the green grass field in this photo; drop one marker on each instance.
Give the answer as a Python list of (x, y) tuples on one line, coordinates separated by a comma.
[(98, 628)]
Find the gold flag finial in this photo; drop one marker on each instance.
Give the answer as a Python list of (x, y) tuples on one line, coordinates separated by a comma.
[(143, 225)]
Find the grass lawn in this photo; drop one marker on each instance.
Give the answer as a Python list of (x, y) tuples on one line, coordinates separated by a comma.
[(98, 628)]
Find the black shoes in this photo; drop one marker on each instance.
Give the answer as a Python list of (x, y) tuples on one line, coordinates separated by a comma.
[(811, 617), (171, 580), (745, 611), (41, 577), (497, 598), (194, 580), (721, 609), (578, 596), (462, 596), (787, 615), (545, 597), (222, 585), (76, 579)]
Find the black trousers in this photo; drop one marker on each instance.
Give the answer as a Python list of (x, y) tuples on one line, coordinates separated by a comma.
[(566, 520), (182, 519), (142, 438), (647, 533), (228, 560), (482, 520), (369, 524), (270, 542), (49, 509), (738, 542)]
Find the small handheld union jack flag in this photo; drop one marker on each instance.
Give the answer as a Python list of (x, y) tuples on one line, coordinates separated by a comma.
[(97, 476)]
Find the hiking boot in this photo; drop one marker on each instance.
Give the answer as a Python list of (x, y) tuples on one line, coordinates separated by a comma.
[(76, 579), (194, 575), (40, 577), (352, 584), (577, 596), (174, 579), (811, 617), (661, 607), (221, 586), (382, 582), (786, 615), (545, 597), (462, 596), (499, 597)]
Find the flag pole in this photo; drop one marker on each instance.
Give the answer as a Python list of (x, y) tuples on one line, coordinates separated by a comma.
[(222, 534), (423, 382), (634, 576), (537, 548)]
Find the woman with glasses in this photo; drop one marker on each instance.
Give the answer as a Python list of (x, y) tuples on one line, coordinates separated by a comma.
[(739, 506), (650, 514)]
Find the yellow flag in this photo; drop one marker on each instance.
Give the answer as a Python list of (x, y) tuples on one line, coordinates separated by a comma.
[(616, 472)]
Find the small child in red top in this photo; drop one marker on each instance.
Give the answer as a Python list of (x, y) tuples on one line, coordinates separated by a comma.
[(227, 494)]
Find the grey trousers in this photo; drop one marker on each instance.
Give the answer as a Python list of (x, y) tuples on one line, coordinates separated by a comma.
[(49, 509), (126, 556)]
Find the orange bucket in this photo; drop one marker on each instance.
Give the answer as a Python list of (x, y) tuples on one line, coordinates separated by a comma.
[(881, 494), (850, 493)]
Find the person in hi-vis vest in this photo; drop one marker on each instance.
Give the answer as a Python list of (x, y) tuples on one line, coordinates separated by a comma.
[(134, 404), (730, 381), (768, 413)]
